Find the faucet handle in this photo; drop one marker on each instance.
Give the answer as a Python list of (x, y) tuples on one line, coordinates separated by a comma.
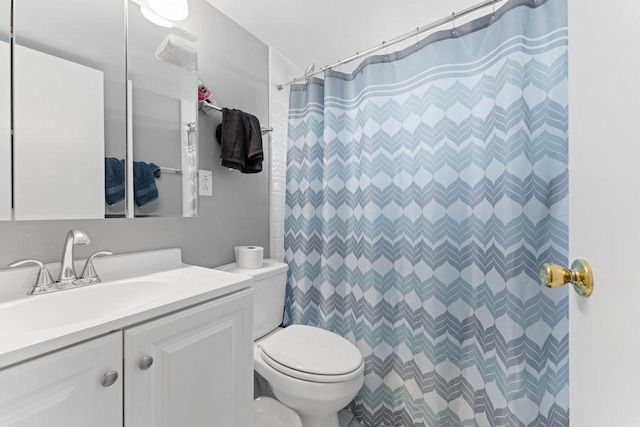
[(44, 281), (89, 272)]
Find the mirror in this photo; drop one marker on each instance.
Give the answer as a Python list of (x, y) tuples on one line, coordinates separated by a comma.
[(5, 110), (69, 106), (95, 101), (162, 75)]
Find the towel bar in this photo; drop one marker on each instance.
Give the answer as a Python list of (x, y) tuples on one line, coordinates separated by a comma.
[(171, 170), (207, 107)]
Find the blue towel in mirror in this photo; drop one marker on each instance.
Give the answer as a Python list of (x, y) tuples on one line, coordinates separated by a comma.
[(144, 183), (114, 180)]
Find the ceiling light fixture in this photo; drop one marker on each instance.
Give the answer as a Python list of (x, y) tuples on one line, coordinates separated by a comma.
[(154, 18), (173, 10)]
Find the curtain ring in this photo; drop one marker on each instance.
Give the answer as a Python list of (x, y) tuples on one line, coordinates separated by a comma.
[(453, 21)]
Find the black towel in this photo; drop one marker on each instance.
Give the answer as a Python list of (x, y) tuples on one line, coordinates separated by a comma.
[(240, 136), (253, 145), (253, 142), (232, 136)]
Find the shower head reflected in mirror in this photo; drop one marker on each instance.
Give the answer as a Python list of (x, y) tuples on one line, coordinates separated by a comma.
[(178, 51)]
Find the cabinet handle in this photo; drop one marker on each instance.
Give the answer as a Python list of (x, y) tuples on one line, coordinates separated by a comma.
[(145, 363), (109, 379)]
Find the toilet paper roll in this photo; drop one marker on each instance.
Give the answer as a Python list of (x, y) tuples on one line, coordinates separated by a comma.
[(249, 257)]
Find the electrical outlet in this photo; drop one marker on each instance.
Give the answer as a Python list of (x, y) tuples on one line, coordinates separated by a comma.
[(205, 179)]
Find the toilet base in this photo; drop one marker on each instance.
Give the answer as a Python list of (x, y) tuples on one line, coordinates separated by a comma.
[(330, 421)]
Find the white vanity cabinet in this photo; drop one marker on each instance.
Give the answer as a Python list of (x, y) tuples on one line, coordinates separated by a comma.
[(63, 389), (201, 374), (202, 367)]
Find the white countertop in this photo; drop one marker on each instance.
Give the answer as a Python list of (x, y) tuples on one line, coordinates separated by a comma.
[(35, 325)]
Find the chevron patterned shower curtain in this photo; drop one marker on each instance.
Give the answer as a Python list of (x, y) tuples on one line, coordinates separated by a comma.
[(423, 193)]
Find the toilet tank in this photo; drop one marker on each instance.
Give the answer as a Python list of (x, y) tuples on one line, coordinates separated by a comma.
[(269, 287)]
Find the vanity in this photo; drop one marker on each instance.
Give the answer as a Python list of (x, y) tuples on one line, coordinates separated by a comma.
[(157, 343)]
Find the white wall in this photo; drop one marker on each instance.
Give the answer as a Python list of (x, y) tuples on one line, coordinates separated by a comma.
[(604, 147), (307, 31), (280, 70)]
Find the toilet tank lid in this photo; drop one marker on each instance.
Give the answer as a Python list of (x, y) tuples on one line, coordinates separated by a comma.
[(270, 267)]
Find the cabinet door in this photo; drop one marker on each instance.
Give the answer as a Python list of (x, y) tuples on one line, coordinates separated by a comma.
[(63, 389), (202, 371), (69, 107), (73, 128), (164, 110)]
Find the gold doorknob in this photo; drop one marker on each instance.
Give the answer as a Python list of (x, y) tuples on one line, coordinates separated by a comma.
[(580, 275)]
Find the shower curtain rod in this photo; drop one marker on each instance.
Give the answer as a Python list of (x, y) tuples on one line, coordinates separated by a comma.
[(397, 40)]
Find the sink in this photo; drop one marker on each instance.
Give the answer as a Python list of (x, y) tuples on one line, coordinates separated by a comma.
[(136, 288), (76, 306)]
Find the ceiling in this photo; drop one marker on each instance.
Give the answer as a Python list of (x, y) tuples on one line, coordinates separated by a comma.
[(324, 32)]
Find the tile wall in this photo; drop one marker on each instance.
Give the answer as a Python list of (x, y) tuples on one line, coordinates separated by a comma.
[(280, 70)]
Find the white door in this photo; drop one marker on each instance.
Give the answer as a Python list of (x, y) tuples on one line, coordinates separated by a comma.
[(192, 368), (604, 227), (64, 389)]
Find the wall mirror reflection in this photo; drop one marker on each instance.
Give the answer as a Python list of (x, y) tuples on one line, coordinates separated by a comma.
[(100, 93), (162, 75), (69, 106), (5, 110)]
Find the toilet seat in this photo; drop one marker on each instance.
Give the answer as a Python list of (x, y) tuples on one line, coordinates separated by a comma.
[(306, 376), (312, 354)]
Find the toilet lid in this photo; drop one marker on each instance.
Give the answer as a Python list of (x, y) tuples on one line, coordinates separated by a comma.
[(312, 350)]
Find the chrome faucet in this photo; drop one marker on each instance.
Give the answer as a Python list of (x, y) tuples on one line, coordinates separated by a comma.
[(67, 270), (68, 278)]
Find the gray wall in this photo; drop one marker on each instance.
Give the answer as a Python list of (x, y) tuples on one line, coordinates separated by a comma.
[(234, 64)]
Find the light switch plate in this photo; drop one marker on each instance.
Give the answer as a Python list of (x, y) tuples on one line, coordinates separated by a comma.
[(205, 179)]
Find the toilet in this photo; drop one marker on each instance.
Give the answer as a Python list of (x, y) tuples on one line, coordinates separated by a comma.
[(312, 371), (269, 413)]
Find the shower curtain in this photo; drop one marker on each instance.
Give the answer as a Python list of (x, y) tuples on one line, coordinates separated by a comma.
[(424, 191)]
